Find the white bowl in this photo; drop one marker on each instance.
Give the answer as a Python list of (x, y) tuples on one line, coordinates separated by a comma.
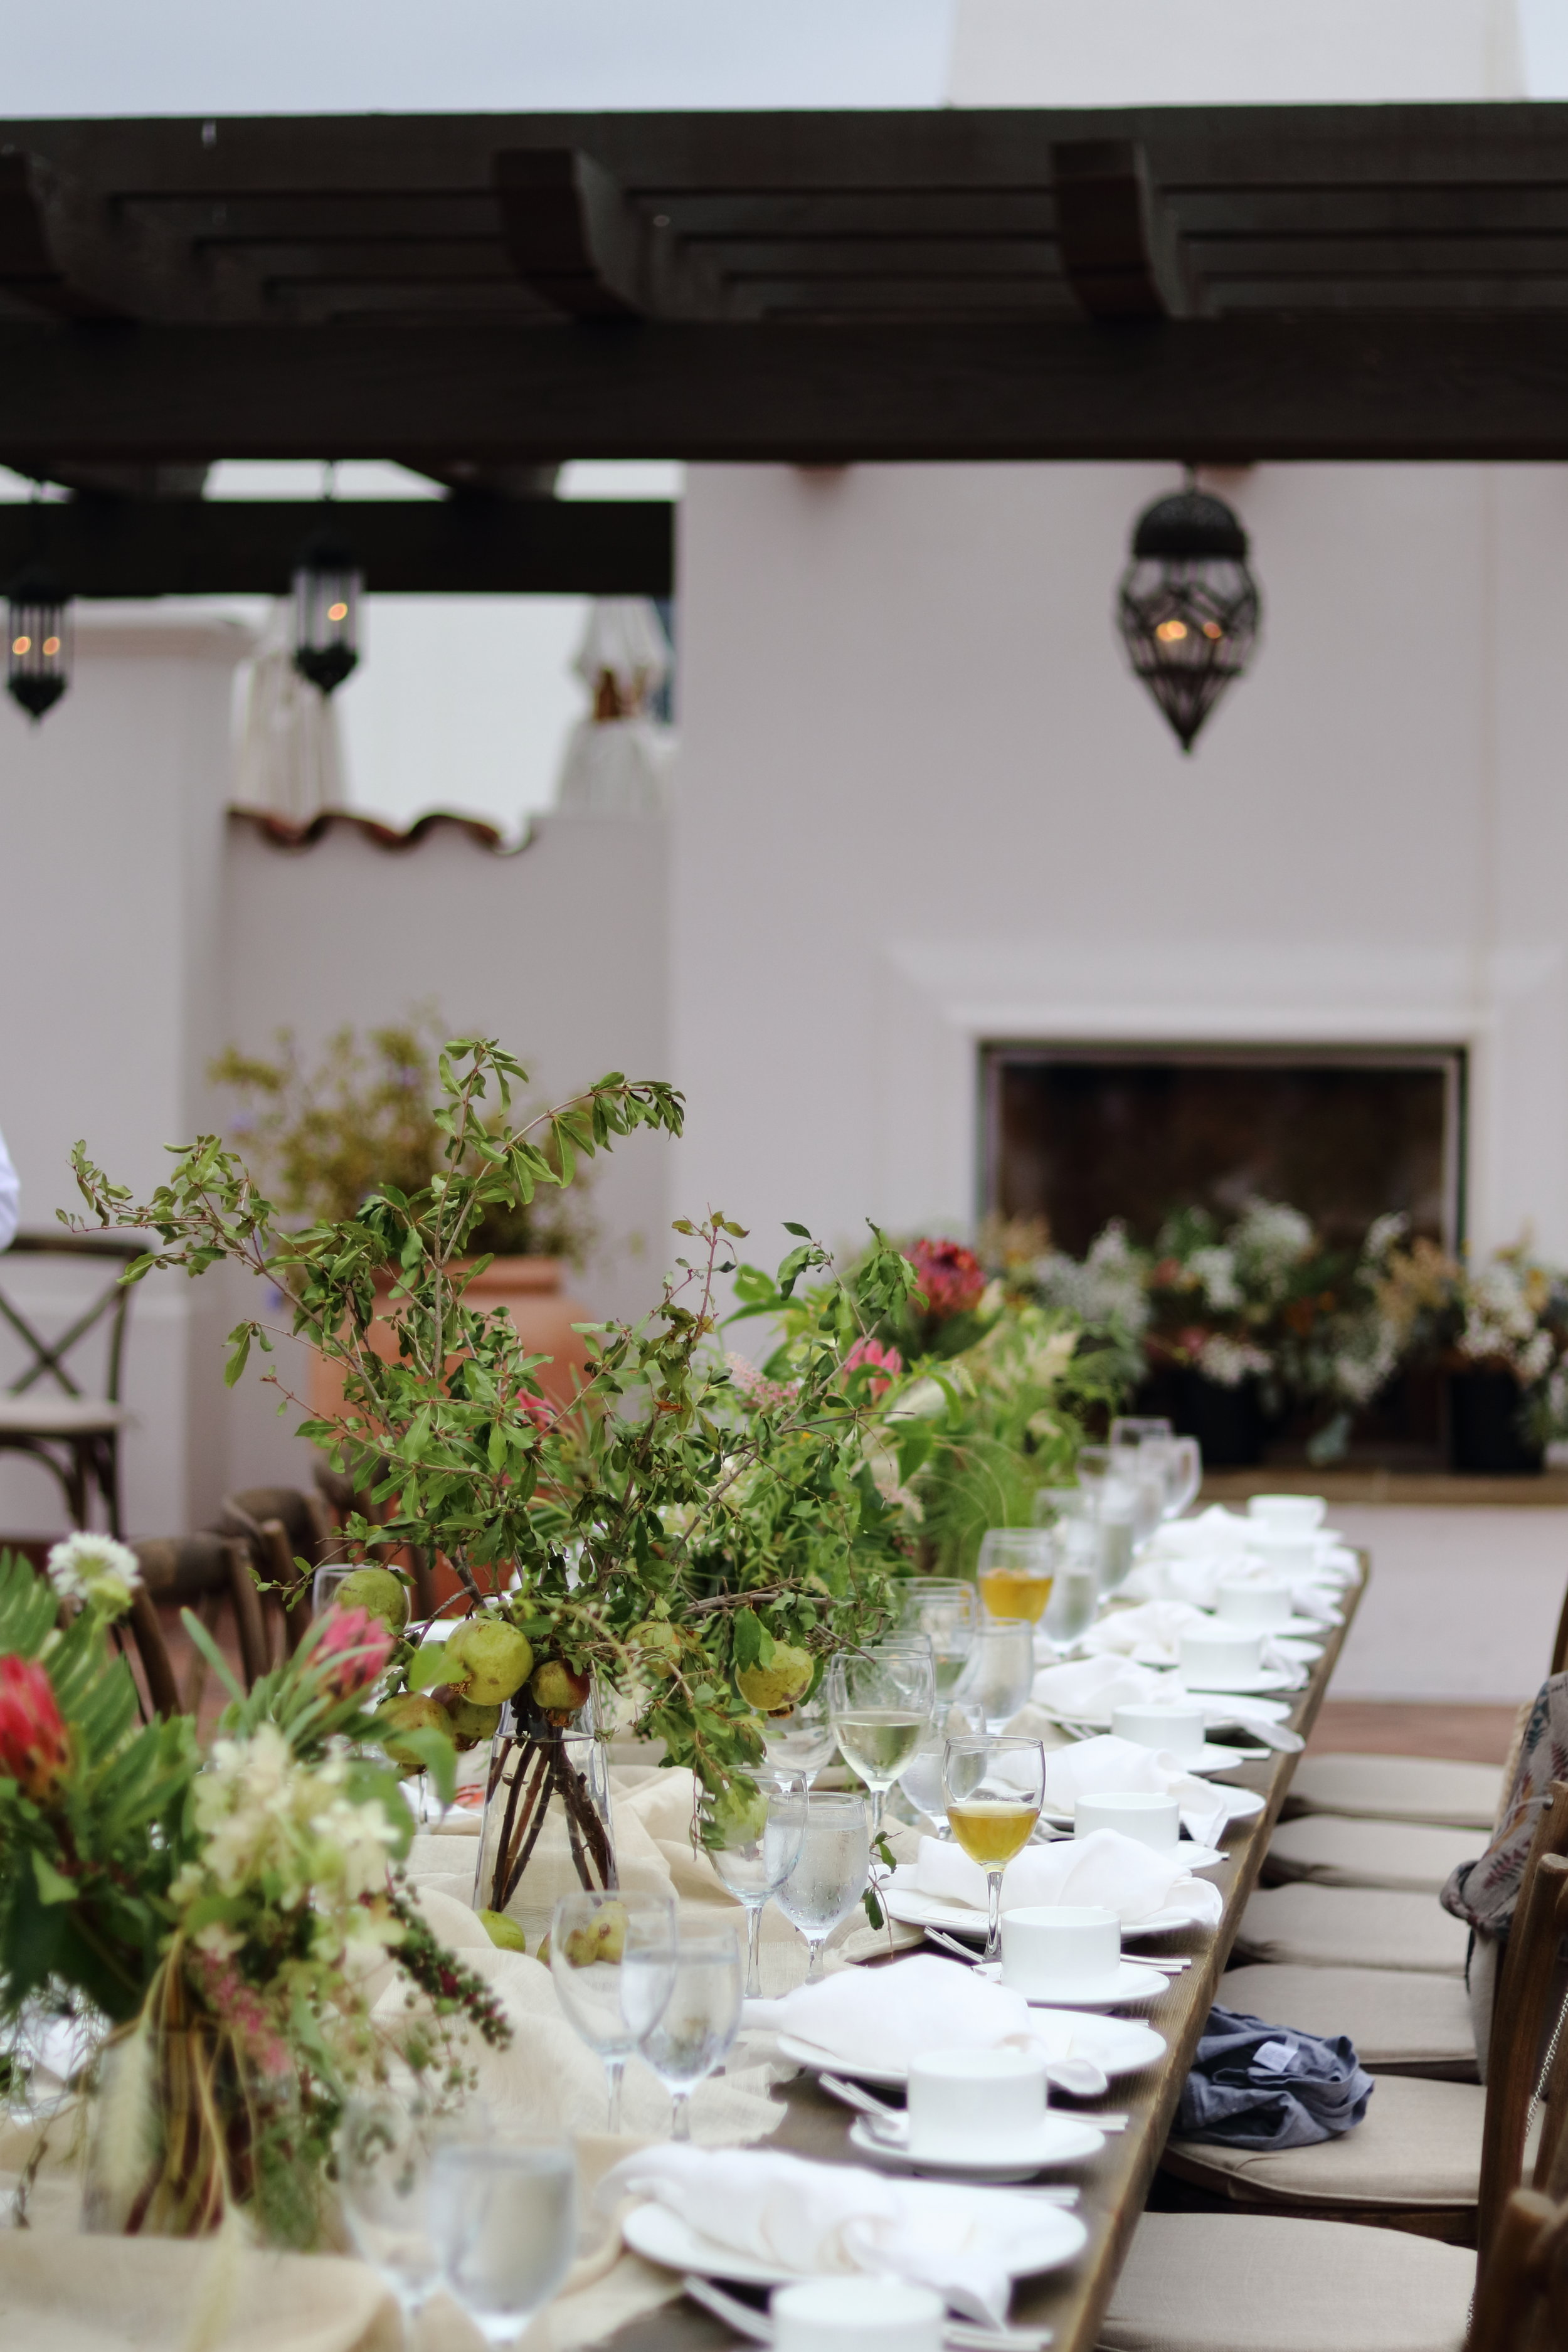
[(857, 2314), (964, 2100), (1295, 1511), (1142, 1813), (1254, 1602), (1221, 1657), (1178, 1731), (1055, 1948)]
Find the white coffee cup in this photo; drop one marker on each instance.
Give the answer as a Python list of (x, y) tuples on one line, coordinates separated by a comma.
[(857, 2314), (962, 2102), (1254, 1602), (1301, 1513), (1179, 1730), (1285, 1550), (1221, 1657), (1056, 1950), (1141, 1813)]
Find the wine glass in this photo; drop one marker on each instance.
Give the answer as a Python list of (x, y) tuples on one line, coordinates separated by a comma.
[(386, 2150), (921, 1779), (753, 1843), (831, 1876), (1076, 1597), (591, 1935), (325, 1584), (1001, 1669), (1017, 1566), (504, 2217), (1105, 1471), (1181, 1460), (1131, 1429), (943, 1610), (690, 2031), (880, 1701), (995, 1789), (800, 1741)]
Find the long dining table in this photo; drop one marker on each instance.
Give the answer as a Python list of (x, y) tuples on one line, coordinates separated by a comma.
[(1114, 2185)]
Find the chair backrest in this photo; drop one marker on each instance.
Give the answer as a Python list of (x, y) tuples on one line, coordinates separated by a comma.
[(1521, 2296), (1523, 2013), (111, 1305), (1559, 1643)]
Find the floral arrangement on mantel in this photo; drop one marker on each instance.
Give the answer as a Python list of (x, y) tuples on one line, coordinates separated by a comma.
[(214, 1919), (1266, 1299)]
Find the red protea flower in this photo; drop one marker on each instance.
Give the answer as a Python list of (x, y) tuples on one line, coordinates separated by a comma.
[(355, 1646), (35, 1746), (950, 1276), (887, 1360)]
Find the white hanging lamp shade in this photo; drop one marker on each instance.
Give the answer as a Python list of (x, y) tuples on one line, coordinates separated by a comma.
[(618, 755)]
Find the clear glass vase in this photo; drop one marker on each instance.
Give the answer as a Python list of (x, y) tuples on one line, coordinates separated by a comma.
[(546, 1829)]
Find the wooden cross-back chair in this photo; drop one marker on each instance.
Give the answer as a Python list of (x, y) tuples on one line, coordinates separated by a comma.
[(281, 1526), (343, 1494), (206, 1574), (1522, 2293), (74, 1434)]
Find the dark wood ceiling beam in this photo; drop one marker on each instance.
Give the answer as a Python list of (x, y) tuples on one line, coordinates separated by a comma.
[(1118, 242), (421, 547), (1325, 387)]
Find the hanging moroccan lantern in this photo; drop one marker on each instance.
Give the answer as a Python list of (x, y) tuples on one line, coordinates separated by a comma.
[(38, 640), (1188, 606), (327, 585)]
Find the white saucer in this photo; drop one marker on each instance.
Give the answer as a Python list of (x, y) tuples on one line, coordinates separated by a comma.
[(912, 1909), (1061, 2139), (1056, 2237), (1269, 1710), (1117, 2045), (1258, 1685), (1130, 1983)]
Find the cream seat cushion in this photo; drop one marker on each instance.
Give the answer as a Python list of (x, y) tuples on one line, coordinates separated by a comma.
[(1230, 2282), (1399, 1789), (1410, 2023), (1419, 2143), (1331, 1850), (1351, 1926)]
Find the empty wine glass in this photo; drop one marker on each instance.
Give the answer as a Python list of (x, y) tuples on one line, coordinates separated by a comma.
[(921, 1779), (386, 2150), (504, 2217), (1016, 1567), (944, 1610), (753, 1843), (799, 1741), (1001, 1670), (994, 1791), (690, 2031), (591, 1935), (831, 1876), (880, 1701), (1183, 1463)]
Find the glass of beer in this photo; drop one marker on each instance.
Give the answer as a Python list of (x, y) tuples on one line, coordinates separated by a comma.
[(995, 1787), (1017, 1566)]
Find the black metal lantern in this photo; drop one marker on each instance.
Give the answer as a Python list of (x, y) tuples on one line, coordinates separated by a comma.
[(1188, 606), (327, 585), (38, 640)]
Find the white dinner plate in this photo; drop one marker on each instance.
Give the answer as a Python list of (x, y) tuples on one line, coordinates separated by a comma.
[(668, 2239), (910, 1908), (1117, 2045), (1216, 1714), (1131, 1983), (1060, 2140)]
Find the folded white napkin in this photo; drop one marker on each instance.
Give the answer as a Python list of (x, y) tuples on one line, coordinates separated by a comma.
[(1164, 1578), (834, 2220), (1098, 1686), (884, 2017), (1151, 1635), (1096, 1767), (1118, 1874)]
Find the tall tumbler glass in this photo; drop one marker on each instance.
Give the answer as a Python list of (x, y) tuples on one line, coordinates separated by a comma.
[(945, 1609), (831, 1876), (1002, 1670), (1017, 1567)]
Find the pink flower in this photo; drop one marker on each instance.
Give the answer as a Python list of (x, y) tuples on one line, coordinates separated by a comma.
[(241, 2009), (356, 1645), (536, 1408), (871, 1352), (755, 1387), (35, 1746), (950, 1277)]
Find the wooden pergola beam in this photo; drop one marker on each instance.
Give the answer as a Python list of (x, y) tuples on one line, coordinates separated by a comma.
[(1464, 387), (416, 547)]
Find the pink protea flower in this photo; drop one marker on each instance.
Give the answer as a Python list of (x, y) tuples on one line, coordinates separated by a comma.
[(887, 1360), (356, 1646), (950, 1277), (35, 1746)]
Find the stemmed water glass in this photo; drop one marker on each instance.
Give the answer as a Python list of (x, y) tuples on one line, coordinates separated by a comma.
[(1131, 1429), (753, 1844), (386, 2150), (880, 1701), (1182, 1461), (1106, 1472), (830, 1875), (995, 1789), (944, 1609), (1016, 1570), (591, 1936), (921, 1779), (1001, 1669), (504, 2219), (689, 2030), (799, 1742)]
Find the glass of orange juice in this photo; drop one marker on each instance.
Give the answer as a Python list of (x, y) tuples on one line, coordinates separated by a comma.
[(1017, 1568), (995, 1787)]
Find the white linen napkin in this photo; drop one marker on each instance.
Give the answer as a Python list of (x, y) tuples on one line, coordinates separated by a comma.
[(1095, 1768), (884, 2017), (835, 2220), (1158, 1578), (1097, 1686), (1151, 1635), (1118, 1874)]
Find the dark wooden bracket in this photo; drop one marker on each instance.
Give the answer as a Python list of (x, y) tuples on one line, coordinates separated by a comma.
[(1119, 242), (570, 234)]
